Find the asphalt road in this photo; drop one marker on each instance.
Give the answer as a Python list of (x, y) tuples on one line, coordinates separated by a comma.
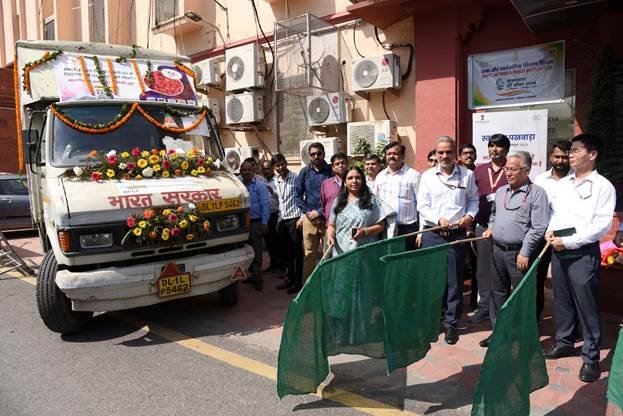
[(188, 357)]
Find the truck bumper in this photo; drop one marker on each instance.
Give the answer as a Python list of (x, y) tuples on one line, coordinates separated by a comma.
[(117, 288)]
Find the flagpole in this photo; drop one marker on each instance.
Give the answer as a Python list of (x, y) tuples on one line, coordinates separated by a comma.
[(544, 250), (467, 240), (438, 228)]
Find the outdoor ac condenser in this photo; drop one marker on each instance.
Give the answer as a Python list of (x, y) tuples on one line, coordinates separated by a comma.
[(331, 147), (377, 73), (207, 73), (244, 67), (377, 133), (327, 109), (247, 107)]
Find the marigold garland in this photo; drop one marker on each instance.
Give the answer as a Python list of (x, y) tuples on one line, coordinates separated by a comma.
[(172, 129), (138, 75), (85, 76), (113, 78), (18, 117), (119, 120), (185, 69)]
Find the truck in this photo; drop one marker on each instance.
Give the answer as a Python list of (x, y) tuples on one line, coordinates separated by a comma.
[(126, 188)]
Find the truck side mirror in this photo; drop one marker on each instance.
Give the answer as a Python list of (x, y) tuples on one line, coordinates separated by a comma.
[(29, 145)]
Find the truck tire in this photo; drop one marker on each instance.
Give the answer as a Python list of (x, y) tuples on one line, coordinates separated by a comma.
[(229, 294), (54, 307)]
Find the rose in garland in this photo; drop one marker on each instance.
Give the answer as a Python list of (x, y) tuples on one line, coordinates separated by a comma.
[(167, 225)]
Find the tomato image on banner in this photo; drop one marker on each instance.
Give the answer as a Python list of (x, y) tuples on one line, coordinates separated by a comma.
[(167, 83)]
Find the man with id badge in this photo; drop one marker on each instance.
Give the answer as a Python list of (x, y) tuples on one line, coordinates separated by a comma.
[(582, 210), (489, 178), (517, 224), (448, 197)]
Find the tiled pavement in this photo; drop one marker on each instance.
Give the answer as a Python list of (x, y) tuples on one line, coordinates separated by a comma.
[(446, 378)]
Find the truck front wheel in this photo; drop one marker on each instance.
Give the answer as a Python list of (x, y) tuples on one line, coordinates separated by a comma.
[(54, 306), (229, 294)]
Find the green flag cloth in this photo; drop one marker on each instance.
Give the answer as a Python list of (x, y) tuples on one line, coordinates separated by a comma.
[(357, 303), (414, 285), (514, 365), (339, 310), (615, 380)]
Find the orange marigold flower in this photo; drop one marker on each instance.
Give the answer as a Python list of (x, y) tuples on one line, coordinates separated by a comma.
[(178, 172), (153, 235), (190, 237), (148, 214), (154, 151), (93, 153), (180, 209)]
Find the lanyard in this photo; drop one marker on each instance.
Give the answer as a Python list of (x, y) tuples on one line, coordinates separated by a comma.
[(449, 184), (523, 202), (497, 180)]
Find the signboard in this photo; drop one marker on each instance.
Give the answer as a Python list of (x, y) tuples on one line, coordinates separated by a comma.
[(78, 79), (531, 75), (527, 131)]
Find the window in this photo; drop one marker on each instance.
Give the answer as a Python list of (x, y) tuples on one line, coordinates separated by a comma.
[(14, 187), (165, 10), (98, 21), (48, 30)]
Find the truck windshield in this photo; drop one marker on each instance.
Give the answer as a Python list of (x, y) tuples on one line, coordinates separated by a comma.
[(71, 147)]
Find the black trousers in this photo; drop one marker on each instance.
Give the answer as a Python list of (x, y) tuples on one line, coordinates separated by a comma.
[(453, 296), (273, 243), (255, 240), (576, 294), (407, 229), (541, 277), (291, 239)]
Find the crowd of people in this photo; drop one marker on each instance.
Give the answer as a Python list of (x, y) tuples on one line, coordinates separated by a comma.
[(333, 208)]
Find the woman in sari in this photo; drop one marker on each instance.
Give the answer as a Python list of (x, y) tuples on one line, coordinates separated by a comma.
[(357, 217)]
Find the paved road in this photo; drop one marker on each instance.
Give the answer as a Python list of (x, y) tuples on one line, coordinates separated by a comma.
[(188, 357)]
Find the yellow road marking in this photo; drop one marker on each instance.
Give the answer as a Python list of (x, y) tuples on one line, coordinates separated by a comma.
[(343, 397)]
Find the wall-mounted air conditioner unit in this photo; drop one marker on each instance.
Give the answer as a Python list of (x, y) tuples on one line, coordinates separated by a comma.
[(377, 73), (214, 105), (247, 107), (331, 147), (207, 73), (234, 156), (326, 109), (377, 133), (244, 67), (232, 159)]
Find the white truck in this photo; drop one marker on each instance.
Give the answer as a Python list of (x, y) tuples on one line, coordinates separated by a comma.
[(78, 100)]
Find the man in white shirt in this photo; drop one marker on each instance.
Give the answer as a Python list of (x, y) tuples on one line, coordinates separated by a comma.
[(448, 196), (582, 214), (372, 166), (549, 180), (397, 186)]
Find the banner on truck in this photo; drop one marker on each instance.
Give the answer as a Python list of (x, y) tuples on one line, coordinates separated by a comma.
[(527, 131), (78, 79), (531, 75)]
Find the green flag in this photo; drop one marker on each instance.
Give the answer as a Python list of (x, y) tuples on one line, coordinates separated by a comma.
[(514, 365), (414, 285), (339, 310), (615, 380)]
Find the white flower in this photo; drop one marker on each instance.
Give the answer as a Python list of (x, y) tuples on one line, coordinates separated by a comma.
[(78, 171), (148, 172), (191, 206), (217, 163), (122, 165), (180, 151), (111, 153)]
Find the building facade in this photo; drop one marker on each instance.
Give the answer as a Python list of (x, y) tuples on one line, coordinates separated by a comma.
[(431, 101)]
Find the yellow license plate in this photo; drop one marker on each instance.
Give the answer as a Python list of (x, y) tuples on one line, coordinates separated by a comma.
[(219, 205), (173, 285)]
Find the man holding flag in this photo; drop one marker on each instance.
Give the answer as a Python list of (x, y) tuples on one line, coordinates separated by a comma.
[(448, 197), (517, 223)]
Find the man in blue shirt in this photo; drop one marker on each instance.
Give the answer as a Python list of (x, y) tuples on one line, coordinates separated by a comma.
[(260, 214), (307, 198)]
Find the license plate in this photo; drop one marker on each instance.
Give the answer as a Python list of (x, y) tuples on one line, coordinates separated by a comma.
[(173, 285), (219, 205)]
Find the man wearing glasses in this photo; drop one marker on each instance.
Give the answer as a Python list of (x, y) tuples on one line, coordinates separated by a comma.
[(448, 196), (467, 156), (517, 224), (582, 209), (489, 178), (307, 198)]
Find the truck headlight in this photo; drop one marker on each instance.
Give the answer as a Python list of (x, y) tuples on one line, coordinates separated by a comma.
[(228, 223), (100, 240)]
